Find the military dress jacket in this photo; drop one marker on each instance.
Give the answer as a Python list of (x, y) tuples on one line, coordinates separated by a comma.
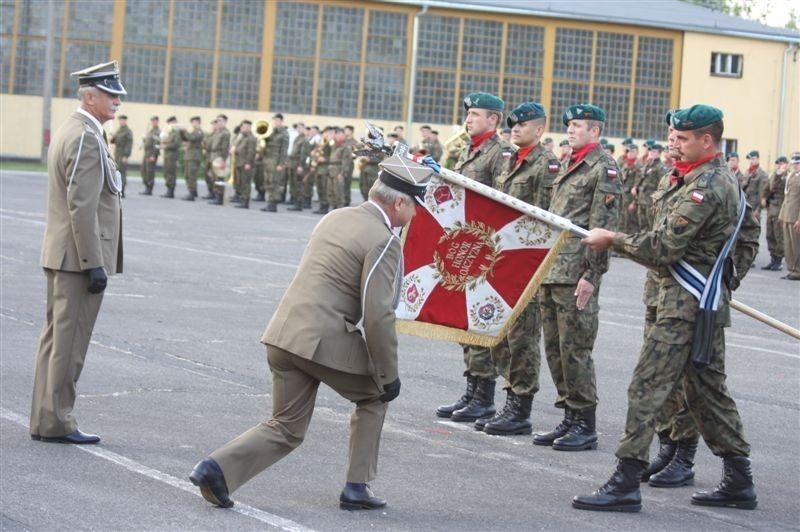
[(486, 162), (695, 217), (341, 160), (172, 143), (532, 180), (84, 214), (339, 309), (790, 210), (589, 194), (123, 143)]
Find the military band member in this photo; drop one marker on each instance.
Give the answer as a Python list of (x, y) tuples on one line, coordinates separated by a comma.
[(151, 144), (341, 164), (244, 153), (697, 226), (322, 157), (276, 148), (298, 166), (122, 140), (772, 200), (631, 173), (314, 139), (549, 145), (192, 155), (431, 145), (171, 144), (588, 192), (482, 159), (352, 144), (755, 180), (789, 217), (219, 148), (528, 175), (648, 181), (349, 274), (82, 246), (208, 171), (399, 132)]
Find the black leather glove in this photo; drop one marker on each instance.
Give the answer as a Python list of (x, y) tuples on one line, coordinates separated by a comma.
[(390, 391), (97, 280)]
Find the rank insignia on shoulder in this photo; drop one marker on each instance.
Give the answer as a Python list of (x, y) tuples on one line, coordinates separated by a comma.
[(611, 172), (552, 167), (697, 197)]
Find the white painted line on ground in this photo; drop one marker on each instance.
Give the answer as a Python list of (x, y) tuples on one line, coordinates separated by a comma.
[(154, 474)]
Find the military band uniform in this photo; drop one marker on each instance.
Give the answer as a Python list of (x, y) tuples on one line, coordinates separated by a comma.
[(321, 174), (341, 165), (220, 145), (347, 185), (275, 155), (298, 168), (192, 157), (648, 181), (123, 145), (789, 216), (772, 200), (83, 233), (151, 146), (171, 145), (245, 146)]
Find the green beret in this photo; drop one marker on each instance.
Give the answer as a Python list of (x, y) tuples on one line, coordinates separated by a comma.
[(633, 147), (609, 147), (584, 111), (657, 147), (603, 142), (753, 153), (795, 158), (525, 112), (547, 140), (782, 159), (731, 155), (483, 100), (693, 117), (564, 142), (627, 141)]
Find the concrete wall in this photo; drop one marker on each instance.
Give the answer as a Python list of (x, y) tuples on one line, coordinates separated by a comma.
[(751, 103)]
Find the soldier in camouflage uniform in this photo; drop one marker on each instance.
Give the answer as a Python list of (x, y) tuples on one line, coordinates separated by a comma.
[(244, 151), (369, 173), (631, 173), (754, 183), (322, 158), (732, 160), (586, 191), (528, 175), (347, 186), (643, 189), (171, 145), (276, 148), (220, 146), (192, 156), (123, 145), (298, 167), (771, 200), (697, 218), (340, 165), (483, 159), (150, 145), (208, 174)]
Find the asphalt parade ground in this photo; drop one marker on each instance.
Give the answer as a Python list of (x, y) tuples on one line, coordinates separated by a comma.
[(175, 369)]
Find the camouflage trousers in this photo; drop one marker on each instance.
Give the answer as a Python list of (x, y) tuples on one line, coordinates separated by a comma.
[(347, 189), (209, 175), (367, 178), (674, 415), (478, 360), (244, 180), (170, 168), (274, 181), (569, 336), (628, 221), (192, 166), (517, 357), (775, 237), (258, 176), (307, 185), (664, 367), (335, 189), (295, 184), (149, 172), (321, 180)]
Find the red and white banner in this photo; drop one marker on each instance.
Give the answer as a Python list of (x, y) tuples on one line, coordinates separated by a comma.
[(472, 263)]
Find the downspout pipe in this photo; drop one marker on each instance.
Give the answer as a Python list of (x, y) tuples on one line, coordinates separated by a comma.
[(413, 77), (792, 46)]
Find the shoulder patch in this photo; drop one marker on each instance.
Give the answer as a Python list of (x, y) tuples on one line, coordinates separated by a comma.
[(704, 180), (553, 166), (611, 173), (697, 197), (507, 153)]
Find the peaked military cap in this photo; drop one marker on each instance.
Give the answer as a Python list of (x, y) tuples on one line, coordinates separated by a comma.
[(404, 175), (104, 76), (525, 112), (731, 155), (796, 158), (583, 111), (753, 153), (782, 159), (693, 117), (483, 100)]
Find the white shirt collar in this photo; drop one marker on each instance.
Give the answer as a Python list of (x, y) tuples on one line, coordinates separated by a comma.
[(93, 119), (385, 216)]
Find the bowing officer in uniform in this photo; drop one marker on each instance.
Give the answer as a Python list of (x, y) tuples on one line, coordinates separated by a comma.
[(335, 324), (82, 246)]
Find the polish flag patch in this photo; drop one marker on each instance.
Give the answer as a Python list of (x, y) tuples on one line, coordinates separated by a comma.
[(612, 173), (552, 168), (697, 197)]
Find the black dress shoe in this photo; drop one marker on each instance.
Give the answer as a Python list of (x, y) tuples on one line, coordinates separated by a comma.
[(208, 476), (76, 437), (35, 437), (359, 498)]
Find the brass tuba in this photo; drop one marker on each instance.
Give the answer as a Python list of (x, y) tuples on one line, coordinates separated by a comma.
[(262, 129), (457, 142)]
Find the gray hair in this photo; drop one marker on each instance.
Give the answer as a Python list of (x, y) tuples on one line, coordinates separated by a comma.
[(83, 91), (383, 193)]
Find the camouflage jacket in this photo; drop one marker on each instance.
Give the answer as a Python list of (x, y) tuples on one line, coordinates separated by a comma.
[(245, 149), (172, 142), (753, 186), (220, 144), (588, 194), (341, 160), (630, 175), (299, 155), (648, 181), (531, 181), (194, 142), (693, 220), (276, 146), (123, 143), (435, 149), (485, 163), (152, 142), (773, 192)]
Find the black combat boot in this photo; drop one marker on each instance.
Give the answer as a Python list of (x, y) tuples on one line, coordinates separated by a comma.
[(148, 191), (517, 419), (190, 196), (447, 410), (244, 203), (236, 198), (666, 450), (260, 196), (679, 471), (621, 492), (480, 424), (735, 490), (581, 435), (209, 196), (547, 438), (170, 193), (297, 207), (323, 209), (307, 203), (217, 200), (481, 404), (776, 267), (270, 207)]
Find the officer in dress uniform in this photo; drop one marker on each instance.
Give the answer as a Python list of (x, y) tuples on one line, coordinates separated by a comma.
[(789, 217), (528, 176), (122, 140), (336, 325), (482, 159), (82, 246), (586, 191), (697, 225)]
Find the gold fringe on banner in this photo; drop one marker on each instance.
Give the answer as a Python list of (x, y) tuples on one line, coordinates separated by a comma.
[(451, 334)]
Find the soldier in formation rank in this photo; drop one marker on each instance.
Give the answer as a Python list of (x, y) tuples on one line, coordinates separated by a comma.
[(171, 143), (192, 156), (276, 148), (150, 146), (298, 167), (244, 152), (771, 201), (122, 140)]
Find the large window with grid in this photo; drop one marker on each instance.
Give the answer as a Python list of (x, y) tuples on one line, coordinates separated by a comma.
[(522, 78), (653, 96)]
